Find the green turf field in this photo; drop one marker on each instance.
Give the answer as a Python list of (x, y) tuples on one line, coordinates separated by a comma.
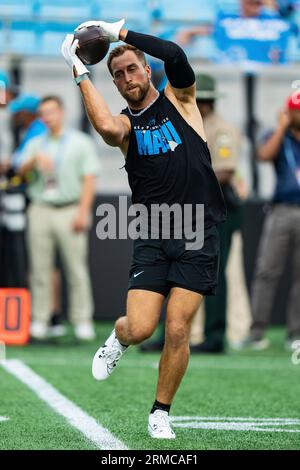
[(242, 400)]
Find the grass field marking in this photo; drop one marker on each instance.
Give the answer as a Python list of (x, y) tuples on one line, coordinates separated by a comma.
[(236, 418), (75, 416), (3, 418), (236, 423), (296, 354)]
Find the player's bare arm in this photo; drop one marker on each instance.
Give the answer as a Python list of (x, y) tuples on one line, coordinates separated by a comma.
[(114, 130)]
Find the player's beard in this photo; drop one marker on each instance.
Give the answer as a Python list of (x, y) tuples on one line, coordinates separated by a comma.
[(136, 98)]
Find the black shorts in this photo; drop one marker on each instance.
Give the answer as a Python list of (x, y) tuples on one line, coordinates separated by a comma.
[(159, 265)]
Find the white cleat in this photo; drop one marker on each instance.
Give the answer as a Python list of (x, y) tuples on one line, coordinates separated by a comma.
[(107, 357), (251, 343), (85, 331), (38, 330), (159, 425), (57, 331)]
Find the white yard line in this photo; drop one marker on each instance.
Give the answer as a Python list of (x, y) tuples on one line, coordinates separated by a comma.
[(237, 423), (3, 418), (75, 416), (232, 418)]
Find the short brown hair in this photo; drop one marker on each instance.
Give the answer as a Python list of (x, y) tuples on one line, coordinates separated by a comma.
[(55, 98), (120, 50)]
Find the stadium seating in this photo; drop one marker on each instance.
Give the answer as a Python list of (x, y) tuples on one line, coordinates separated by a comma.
[(2, 38), (16, 9), (22, 38), (188, 11), (228, 6), (37, 27), (136, 12), (67, 10), (51, 35), (293, 52), (203, 47)]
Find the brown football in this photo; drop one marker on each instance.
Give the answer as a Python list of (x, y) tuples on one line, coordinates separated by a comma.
[(93, 44)]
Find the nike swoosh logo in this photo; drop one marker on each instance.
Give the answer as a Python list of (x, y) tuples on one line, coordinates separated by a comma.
[(137, 274)]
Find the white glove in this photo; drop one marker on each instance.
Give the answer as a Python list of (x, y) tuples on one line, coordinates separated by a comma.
[(112, 29), (68, 50)]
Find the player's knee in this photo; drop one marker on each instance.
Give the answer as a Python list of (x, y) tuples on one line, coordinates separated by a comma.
[(139, 334), (120, 325), (134, 334), (177, 334)]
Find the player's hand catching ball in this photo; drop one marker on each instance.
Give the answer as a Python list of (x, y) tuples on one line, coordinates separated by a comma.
[(111, 29), (68, 50)]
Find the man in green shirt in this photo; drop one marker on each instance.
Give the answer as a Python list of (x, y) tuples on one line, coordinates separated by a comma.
[(61, 167)]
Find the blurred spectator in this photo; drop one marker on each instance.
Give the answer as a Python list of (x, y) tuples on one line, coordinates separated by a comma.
[(25, 113), (3, 167), (258, 34), (270, 5), (3, 88), (224, 142), (5, 97), (3, 100), (287, 8), (62, 166), (25, 110), (56, 328), (281, 229), (12, 203), (6, 89)]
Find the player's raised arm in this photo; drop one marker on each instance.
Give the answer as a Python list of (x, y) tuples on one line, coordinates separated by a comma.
[(113, 129), (180, 74)]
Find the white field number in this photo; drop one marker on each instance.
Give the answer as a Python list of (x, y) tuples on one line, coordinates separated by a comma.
[(296, 353)]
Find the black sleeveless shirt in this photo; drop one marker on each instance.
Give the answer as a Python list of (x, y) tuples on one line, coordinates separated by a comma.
[(168, 162)]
